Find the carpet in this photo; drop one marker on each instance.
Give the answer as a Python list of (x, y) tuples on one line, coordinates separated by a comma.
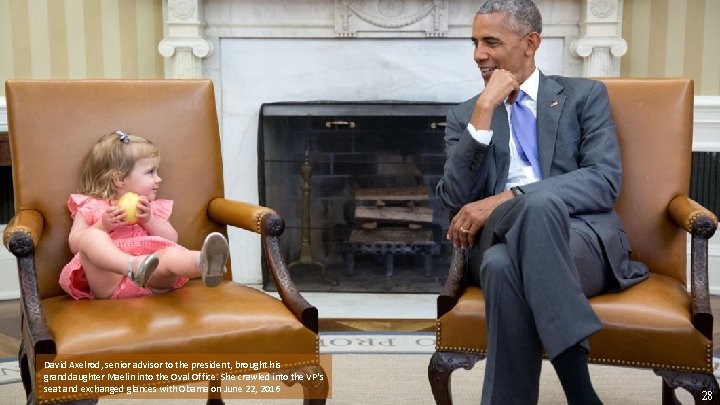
[(391, 368), (9, 371), (371, 379), (377, 342)]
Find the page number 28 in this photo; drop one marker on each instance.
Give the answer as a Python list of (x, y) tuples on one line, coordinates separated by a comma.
[(707, 395)]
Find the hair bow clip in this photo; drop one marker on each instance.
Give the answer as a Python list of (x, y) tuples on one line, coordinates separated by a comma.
[(123, 136)]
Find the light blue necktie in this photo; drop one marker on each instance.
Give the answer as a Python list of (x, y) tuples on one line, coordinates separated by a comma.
[(525, 133)]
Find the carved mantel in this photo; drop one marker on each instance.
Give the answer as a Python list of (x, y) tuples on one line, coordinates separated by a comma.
[(427, 18), (595, 38), (184, 41), (600, 43)]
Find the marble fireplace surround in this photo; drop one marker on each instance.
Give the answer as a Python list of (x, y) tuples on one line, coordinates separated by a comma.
[(261, 51)]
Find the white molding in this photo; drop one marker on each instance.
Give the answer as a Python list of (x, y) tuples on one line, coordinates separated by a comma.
[(414, 18), (706, 124), (600, 43), (9, 283), (184, 45)]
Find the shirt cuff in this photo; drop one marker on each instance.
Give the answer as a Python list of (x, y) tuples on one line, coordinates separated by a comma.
[(483, 135)]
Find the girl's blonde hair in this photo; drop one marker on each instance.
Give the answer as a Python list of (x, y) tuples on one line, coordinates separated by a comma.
[(112, 157)]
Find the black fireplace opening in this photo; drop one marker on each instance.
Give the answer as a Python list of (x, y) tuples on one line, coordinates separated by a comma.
[(355, 184)]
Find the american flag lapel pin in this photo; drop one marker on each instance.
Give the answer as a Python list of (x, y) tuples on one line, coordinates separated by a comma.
[(553, 104)]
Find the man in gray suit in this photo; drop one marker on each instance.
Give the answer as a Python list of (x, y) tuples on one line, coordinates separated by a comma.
[(532, 175)]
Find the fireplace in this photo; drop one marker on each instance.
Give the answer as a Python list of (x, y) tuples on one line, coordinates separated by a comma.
[(355, 183), (258, 52)]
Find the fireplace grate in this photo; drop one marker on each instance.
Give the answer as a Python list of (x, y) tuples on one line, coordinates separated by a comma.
[(372, 170), (705, 180)]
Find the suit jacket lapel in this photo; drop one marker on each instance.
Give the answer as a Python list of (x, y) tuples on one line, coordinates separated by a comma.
[(501, 140), (549, 106)]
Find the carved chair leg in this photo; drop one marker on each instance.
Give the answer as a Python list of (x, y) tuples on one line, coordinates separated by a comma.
[(703, 387), (315, 386), (314, 383), (25, 375), (440, 369), (314, 401), (215, 398), (668, 395)]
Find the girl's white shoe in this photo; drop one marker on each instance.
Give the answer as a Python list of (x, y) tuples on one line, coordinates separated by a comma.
[(145, 270), (213, 256)]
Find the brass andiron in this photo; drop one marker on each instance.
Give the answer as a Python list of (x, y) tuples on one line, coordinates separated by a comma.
[(306, 248)]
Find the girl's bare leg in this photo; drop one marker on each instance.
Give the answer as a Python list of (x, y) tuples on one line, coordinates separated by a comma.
[(105, 265), (177, 262), (174, 262)]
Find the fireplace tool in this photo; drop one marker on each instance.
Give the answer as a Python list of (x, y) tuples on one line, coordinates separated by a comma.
[(306, 247)]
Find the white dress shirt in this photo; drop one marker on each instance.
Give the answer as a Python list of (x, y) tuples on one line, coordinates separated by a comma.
[(519, 172)]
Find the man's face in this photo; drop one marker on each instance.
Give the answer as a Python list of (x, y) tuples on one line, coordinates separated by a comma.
[(498, 47)]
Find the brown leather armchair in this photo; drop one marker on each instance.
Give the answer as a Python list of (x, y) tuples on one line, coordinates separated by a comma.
[(52, 126), (656, 324)]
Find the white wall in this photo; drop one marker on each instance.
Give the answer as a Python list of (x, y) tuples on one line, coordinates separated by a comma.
[(9, 285)]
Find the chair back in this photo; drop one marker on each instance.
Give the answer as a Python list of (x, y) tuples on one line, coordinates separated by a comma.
[(54, 123), (654, 119)]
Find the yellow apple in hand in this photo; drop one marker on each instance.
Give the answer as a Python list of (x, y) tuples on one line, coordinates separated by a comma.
[(129, 202)]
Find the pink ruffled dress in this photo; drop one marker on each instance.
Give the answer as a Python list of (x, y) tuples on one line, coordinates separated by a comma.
[(130, 239)]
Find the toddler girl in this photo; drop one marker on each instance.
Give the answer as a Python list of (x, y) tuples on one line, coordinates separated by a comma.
[(117, 259)]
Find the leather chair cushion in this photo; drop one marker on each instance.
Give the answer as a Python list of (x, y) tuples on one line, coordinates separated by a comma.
[(652, 315), (195, 319)]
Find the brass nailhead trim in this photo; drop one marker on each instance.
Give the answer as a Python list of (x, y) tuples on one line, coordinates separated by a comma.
[(636, 364), (695, 215), (259, 214), (17, 229)]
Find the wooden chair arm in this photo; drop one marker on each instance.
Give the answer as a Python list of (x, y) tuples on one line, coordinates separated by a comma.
[(454, 284), (303, 311), (269, 225), (20, 237), (693, 217), (701, 223)]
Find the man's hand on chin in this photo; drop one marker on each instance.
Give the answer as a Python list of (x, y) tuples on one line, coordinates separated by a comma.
[(471, 218)]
